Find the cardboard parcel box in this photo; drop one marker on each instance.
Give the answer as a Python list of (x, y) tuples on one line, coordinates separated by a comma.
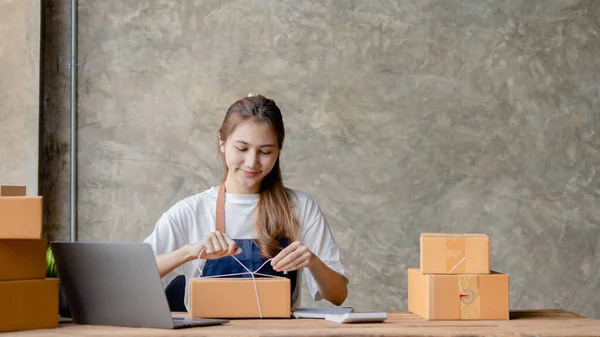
[(20, 217), (12, 191), (22, 259), (459, 297), (29, 304), (236, 298), (455, 253)]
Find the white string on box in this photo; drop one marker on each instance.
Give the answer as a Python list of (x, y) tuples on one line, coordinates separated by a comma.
[(252, 273), (456, 265)]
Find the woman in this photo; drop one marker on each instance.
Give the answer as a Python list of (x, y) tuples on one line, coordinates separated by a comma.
[(251, 216)]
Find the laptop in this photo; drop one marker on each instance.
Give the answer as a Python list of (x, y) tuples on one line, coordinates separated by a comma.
[(118, 284)]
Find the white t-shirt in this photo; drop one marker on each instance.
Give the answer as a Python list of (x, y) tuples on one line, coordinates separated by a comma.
[(193, 218)]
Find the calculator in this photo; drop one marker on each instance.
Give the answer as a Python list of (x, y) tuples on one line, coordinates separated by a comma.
[(358, 317)]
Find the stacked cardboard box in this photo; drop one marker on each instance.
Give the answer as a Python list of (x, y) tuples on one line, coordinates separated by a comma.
[(455, 281), (29, 300)]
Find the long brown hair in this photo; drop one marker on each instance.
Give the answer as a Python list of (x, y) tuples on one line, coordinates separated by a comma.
[(274, 217)]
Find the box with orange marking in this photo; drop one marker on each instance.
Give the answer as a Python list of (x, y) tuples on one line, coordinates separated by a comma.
[(459, 297)]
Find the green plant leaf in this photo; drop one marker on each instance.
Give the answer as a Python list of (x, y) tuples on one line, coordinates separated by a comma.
[(51, 270)]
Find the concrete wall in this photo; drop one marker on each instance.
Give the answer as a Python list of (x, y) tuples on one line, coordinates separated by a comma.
[(20, 22), (402, 117)]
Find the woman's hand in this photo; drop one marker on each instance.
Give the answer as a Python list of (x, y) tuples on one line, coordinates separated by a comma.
[(214, 246), (293, 257), (331, 284)]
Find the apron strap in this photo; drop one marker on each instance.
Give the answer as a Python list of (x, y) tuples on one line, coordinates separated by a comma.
[(220, 223)]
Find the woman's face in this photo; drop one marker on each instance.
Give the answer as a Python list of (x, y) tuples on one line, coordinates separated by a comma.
[(250, 154)]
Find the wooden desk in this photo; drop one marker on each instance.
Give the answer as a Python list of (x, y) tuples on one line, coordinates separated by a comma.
[(522, 323)]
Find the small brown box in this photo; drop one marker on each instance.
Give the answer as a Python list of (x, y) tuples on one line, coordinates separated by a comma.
[(443, 253), (12, 191), (20, 217)]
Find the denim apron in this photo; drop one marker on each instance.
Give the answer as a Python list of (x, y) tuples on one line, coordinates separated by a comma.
[(250, 255)]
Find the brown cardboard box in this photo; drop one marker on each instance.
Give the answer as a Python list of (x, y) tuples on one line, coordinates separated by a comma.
[(29, 304), (22, 259), (12, 191), (459, 297), (20, 217), (236, 298), (455, 253)]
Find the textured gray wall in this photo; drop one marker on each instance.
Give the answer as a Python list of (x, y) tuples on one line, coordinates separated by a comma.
[(402, 117), (19, 92)]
